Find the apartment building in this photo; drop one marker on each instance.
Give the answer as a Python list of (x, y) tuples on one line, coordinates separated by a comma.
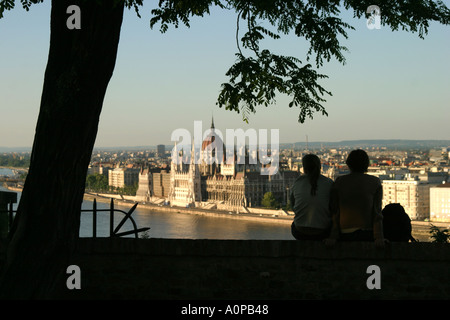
[(121, 177), (440, 202), (412, 194)]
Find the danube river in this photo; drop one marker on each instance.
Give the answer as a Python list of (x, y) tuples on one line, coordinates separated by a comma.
[(184, 225), (181, 225)]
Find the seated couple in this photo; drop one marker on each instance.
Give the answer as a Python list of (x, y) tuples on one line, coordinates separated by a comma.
[(348, 209)]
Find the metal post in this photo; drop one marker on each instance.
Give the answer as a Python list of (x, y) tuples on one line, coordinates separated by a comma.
[(94, 219), (11, 213), (6, 198), (111, 218)]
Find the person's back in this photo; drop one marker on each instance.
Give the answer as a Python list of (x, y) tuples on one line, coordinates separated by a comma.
[(356, 202), (312, 211), (358, 196), (310, 198)]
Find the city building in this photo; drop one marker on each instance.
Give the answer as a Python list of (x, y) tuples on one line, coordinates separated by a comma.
[(161, 150), (145, 187), (100, 168), (209, 180), (153, 183), (247, 188), (433, 177), (412, 194), (436, 155), (185, 183), (161, 184), (440, 202), (121, 177)]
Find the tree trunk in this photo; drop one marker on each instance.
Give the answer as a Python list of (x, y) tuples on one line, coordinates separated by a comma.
[(80, 65)]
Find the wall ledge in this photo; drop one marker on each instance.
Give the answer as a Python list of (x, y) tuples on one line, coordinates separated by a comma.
[(187, 269), (423, 251)]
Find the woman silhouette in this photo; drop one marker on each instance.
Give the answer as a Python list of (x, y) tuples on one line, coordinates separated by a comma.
[(310, 197)]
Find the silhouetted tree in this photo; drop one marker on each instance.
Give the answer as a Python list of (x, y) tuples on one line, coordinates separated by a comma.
[(81, 63)]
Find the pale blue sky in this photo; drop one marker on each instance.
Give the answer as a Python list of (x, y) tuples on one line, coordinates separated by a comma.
[(394, 85)]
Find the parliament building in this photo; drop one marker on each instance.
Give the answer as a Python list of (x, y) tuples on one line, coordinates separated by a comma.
[(206, 180)]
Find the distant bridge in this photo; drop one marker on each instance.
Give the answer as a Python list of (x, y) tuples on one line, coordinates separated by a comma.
[(6, 179), (12, 179), (14, 168)]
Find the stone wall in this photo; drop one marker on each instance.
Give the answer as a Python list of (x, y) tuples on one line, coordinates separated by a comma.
[(257, 269)]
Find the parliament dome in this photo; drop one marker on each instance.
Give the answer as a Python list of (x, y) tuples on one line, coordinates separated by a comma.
[(212, 141)]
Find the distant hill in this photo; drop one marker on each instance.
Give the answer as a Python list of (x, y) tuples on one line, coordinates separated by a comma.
[(127, 148), (388, 143), (15, 149)]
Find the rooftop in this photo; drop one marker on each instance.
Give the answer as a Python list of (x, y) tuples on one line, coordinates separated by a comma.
[(444, 185)]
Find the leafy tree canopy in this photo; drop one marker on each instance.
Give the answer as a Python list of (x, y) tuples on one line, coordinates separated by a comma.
[(258, 74), (269, 201)]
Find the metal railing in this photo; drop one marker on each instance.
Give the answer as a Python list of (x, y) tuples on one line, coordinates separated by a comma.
[(113, 232)]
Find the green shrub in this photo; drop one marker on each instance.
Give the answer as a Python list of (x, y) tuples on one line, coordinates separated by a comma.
[(438, 235)]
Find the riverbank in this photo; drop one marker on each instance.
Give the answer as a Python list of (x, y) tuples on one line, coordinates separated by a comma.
[(275, 218), (15, 189)]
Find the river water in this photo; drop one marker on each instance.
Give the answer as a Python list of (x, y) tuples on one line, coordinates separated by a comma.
[(180, 225), (5, 172)]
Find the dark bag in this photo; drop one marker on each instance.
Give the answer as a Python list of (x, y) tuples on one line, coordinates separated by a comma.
[(396, 223)]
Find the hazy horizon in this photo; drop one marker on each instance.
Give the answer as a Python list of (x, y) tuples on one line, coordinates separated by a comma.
[(353, 141)]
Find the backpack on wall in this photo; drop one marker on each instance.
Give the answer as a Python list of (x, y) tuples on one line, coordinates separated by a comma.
[(396, 223)]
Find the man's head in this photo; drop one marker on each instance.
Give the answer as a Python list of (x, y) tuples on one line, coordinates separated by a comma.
[(358, 161)]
